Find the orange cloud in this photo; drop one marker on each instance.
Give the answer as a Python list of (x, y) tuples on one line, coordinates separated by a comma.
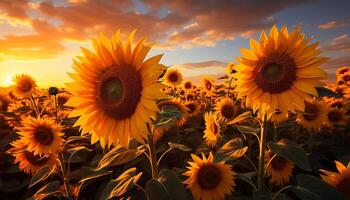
[(331, 25), (181, 26), (340, 43)]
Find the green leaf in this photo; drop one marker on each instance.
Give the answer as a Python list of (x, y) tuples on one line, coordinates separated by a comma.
[(87, 173), (249, 130), (234, 148), (291, 151), (118, 156), (167, 116), (240, 118), (48, 190), (173, 184), (312, 188), (179, 146), (325, 92), (41, 175), (118, 187), (155, 190)]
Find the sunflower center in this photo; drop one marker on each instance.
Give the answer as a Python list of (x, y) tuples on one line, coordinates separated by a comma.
[(337, 104), (190, 97), (227, 111), (188, 85), (119, 92), (173, 77), (43, 135), (334, 116), (275, 74), (209, 177), (24, 86), (208, 85), (278, 163), (346, 78), (311, 111), (344, 185), (35, 159), (191, 107), (214, 128)]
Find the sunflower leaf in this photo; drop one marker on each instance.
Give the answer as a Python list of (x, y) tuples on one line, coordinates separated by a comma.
[(41, 175), (172, 183), (234, 148), (312, 188), (179, 146), (155, 190), (48, 190), (118, 156), (240, 118), (291, 151), (325, 92), (121, 185)]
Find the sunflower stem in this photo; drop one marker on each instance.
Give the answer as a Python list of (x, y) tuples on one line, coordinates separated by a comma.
[(229, 88), (35, 107), (275, 132), (261, 173), (65, 178), (152, 152)]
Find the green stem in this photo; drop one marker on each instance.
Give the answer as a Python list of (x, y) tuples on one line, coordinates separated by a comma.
[(35, 107), (152, 153), (229, 88), (275, 132), (261, 173), (65, 178)]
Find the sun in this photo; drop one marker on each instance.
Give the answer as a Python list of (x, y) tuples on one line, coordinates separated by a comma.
[(7, 80)]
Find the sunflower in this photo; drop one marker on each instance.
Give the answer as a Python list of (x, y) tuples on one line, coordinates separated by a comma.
[(340, 180), (345, 78), (187, 85), (42, 136), (342, 90), (314, 115), (342, 70), (208, 83), (279, 72), (24, 86), (230, 68), (27, 161), (225, 109), (194, 108), (172, 77), (278, 117), (212, 129), (115, 90), (280, 169), (334, 102), (209, 180), (337, 116)]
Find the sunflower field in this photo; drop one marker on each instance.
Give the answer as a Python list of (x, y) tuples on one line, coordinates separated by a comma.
[(129, 127)]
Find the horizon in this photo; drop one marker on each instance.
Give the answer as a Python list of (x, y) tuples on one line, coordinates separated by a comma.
[(198, 43)]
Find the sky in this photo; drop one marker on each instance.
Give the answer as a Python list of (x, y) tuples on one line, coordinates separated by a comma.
[(199, 37)]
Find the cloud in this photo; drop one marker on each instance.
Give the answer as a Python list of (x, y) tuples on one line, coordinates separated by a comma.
[(220, 20), (185, 24), (339, 43), (332, 24), (205, 64)]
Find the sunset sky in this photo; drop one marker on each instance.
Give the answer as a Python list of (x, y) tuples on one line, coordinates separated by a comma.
[(40, 38)]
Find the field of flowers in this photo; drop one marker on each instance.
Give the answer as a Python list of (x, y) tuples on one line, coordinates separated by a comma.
[(128, 127)]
